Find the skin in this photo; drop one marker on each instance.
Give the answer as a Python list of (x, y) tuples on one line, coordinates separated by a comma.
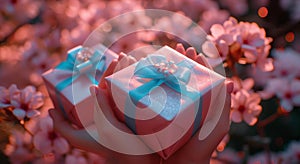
[(194, 151)]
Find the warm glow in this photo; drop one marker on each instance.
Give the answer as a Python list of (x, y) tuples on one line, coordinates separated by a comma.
[(262, 12), (220, 148), (289, 37)]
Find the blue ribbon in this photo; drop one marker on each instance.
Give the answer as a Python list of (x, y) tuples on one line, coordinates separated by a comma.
[(96, 62), (149, 68), (159, 70)]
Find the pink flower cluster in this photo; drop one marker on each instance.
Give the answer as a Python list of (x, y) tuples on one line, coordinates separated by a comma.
[(24, 103), (239, 42), (245, 103), (284, 81)]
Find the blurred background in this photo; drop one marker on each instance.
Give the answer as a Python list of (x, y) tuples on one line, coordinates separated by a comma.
[(258, 40)]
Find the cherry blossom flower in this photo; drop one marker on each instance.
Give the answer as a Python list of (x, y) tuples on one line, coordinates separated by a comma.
[(292, 154), (286, 64), (240, 7), (19, 148), (292, 7), (245, 106), (287, 91), (239, 84), (6, 94), (47, 140), (26, 102), (241, 42), (263, 158), (245, 102), (76, 157), (211, 17)]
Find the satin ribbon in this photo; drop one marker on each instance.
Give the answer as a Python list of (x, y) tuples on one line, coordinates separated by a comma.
[(81, 61), (159, 70)]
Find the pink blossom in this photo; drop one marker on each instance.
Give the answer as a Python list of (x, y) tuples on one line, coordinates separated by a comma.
[(245, 106), (19, 148), (255, 45), (263, 158), (286, 64), (292, 7), (6, 94), (239, 84), (236, 7), (26, 102), (47, 140), (222, 36), (95, 158), (76, 157), (241, 42), (287, 91), (245, 102), (260, 77), (212, 16), (292, 154), (127, 43)]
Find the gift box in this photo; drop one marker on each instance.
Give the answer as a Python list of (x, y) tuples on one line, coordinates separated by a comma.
[(164, 98), (68, 84)]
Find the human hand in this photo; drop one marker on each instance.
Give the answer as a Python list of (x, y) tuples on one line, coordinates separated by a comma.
[(189, 153), (85, 138), (198, 149)]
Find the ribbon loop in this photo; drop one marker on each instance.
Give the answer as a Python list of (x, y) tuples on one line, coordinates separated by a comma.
[(81, 61), (159, 70)]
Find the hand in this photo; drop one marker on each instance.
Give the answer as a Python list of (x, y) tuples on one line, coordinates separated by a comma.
[(81, 139), (195, 151), (199, 151)]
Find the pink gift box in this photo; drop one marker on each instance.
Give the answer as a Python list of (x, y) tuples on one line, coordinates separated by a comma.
[(75, 99), (165, 119)]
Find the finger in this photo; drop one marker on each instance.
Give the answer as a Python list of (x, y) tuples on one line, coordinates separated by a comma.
[(109, 71), (191, 53), (201, 60), (78, 138), (107, 109), (180, 48), (229, 85)]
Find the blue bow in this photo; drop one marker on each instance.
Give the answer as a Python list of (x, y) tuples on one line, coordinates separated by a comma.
[(159, 70), (81, 61)]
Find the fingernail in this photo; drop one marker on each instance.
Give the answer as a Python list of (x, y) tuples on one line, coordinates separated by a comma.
[(93, 90), (229, 86)]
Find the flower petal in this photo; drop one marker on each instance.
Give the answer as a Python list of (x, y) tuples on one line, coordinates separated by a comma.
[(217, 30), (42, 143), (236, 116), (296, 100), (248, 83), (32, 113), (210, 49), (287, 105), (70, 159), (251, 58), (249, 118), (19, 113), (265, 65), (61, 145)]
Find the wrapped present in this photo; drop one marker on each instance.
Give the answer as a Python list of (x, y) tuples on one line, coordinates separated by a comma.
[(164, 98), (68, 84)]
